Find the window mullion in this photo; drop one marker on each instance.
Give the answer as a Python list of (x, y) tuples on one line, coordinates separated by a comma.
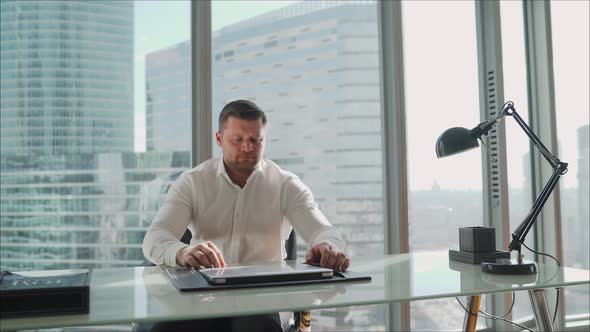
[(494, 176), (201, 81), (395, 195)]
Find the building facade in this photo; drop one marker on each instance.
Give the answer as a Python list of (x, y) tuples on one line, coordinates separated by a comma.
[(83, 210), (582, 229), (67, 135), (67, 77), (168, 99)]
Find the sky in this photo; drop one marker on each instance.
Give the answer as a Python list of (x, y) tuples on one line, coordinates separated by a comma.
[(449, 98)]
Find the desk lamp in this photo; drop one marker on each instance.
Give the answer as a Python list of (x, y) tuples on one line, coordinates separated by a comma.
[(457, 139)]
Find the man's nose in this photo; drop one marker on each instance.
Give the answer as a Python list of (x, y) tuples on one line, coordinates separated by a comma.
[(247, 146)]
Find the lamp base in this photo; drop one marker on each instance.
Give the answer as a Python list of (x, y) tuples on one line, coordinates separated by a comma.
[(509, 266)]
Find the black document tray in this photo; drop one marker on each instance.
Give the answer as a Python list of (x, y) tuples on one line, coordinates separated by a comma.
[(186, 281), (64, 294)]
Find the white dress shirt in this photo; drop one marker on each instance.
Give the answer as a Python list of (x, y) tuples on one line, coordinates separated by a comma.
[(249, 225)]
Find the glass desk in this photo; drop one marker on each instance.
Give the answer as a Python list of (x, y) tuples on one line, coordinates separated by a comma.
[(141, 294)]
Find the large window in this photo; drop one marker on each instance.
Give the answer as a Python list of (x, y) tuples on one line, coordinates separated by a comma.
[(570, 32), (80, 176), (313, 67), (441, 87)]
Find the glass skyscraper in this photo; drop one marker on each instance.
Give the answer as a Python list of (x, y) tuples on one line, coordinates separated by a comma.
[(67, 135), (168, 99), (67, 77)]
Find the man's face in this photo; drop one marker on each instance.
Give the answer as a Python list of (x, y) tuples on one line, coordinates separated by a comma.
[(242, 143)]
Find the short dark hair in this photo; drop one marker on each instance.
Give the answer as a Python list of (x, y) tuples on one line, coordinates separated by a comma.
[(241, 109)]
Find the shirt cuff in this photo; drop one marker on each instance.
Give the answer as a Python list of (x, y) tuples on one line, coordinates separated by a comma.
[(332, 238), (170, 258), (335, 246)]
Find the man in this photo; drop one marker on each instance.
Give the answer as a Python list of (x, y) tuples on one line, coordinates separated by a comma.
[(240, 208)]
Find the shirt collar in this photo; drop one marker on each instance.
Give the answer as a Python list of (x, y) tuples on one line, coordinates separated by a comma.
[(258, 169), (220, 167)]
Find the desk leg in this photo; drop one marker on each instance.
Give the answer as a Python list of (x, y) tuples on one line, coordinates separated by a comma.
[(541, 310), (471, 315), (303, 320)]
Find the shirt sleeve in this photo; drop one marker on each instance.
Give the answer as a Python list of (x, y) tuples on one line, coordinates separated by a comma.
[(306, 218), (162, 239)]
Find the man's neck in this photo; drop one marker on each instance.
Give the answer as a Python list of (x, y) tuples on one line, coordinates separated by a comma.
[(238, 178)]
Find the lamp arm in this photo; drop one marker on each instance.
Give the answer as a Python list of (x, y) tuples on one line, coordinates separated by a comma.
[(510, 111), (559, 169), (521, 232)]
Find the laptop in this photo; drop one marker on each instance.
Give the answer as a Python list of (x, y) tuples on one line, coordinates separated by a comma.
[(186, 279), (264, 273)]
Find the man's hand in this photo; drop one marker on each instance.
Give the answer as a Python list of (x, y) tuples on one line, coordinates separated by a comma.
[(327, 257), (204, 254)]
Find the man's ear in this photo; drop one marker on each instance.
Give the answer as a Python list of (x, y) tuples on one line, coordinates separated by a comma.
[(218, 138)]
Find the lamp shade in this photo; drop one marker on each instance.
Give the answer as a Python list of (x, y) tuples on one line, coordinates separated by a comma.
[(455, 140)]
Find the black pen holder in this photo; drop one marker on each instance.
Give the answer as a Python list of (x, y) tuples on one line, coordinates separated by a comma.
[(477, 240)]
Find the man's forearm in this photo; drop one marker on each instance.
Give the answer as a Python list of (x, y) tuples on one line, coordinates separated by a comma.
[(160, 246)]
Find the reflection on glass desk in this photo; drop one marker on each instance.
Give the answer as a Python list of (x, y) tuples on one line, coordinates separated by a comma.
[(124, 295)]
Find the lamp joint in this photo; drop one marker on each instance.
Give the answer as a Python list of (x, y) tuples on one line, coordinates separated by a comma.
[(561, 167)]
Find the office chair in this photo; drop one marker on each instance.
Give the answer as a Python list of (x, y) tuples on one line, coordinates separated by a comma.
[(301, 319)]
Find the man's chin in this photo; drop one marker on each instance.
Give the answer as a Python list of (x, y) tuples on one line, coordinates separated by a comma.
[(246, 166)]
